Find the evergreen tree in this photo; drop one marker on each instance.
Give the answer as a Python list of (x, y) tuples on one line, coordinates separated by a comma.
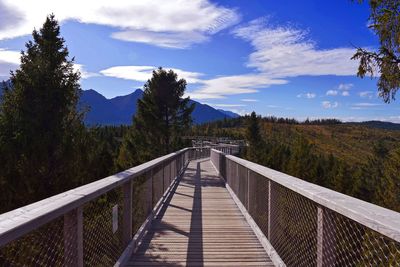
[(162, 117), (255, 147), (40, 127)]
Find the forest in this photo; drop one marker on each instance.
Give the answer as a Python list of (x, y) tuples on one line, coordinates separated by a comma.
[(352, 159)]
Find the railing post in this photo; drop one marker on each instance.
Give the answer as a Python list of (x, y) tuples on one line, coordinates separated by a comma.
[(248, 190), (320, 235), (73, 238), (150, 192), (163, 176), (269, 211), (127, 213)]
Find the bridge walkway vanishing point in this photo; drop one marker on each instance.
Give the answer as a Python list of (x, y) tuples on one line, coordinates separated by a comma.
[(200, 225)]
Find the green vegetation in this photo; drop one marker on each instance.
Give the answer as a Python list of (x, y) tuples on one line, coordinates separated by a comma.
[(46, 149), (353, 159), (163, 116)]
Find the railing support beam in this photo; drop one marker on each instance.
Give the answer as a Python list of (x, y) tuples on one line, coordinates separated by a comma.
[(320, 236), (269, 210), (73, 238)]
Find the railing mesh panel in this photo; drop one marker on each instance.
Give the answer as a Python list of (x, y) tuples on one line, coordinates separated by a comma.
[(242, 184), (41, 247), (348, 243), (102, 246), (293, 226), (157, 183), (141, 200), (258, 200), (302, 232)]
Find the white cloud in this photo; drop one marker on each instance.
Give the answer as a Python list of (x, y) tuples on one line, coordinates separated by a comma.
[(328, 104), (366, 94), (364, 105), (345, 93), (84, 73), (225, 105), (249, 100), (143, 73), (9, 60), (307, 95), (285, 52), (332, 92), (215, 88), (345, 86), (173, 23), (230, 85)]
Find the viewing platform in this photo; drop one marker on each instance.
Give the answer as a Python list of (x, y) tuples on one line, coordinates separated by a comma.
[(200, 207)]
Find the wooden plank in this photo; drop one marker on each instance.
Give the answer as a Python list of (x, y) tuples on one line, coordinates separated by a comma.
[(201, 226)]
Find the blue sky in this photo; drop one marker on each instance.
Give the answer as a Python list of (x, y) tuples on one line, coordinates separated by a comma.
[(282, 58)]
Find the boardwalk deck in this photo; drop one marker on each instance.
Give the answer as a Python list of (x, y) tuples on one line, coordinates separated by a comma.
[(200, 226)]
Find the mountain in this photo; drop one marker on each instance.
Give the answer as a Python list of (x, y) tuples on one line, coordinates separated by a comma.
[(379, 124), (229, 113), (8, 84), (120, 109)]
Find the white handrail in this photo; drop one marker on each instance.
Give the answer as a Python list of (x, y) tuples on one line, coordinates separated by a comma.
[(379, 219)]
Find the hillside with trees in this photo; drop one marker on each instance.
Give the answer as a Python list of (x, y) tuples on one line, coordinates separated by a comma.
[(353, 159)]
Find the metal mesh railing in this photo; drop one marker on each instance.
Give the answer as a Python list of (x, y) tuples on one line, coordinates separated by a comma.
[(307, 232), (93, 224)]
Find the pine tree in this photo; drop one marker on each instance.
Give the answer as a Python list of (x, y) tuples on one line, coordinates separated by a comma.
[(40, 127), (162, 117), (255, 149)]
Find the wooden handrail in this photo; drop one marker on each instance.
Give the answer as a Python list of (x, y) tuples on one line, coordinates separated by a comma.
[(18, 222)]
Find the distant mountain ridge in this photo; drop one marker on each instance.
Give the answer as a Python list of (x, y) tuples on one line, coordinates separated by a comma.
[(120, 109), (386, 125)]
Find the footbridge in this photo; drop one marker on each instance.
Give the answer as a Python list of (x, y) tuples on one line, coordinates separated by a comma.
[(200, 207)]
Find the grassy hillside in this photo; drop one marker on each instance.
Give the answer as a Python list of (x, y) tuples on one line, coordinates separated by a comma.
[(354, 159), (354, 144)]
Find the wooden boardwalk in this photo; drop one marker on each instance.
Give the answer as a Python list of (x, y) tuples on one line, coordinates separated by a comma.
[(200, 226)]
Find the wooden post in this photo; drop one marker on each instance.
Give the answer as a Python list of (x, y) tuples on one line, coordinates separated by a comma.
[(269, 211), (150, 192), (127, 213), (320, 236), (73, 238), (248, 190)]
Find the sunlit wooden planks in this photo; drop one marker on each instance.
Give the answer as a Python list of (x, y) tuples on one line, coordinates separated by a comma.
[(200, 226)]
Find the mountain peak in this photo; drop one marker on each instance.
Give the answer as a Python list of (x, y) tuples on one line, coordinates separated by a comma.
[(120, 109)]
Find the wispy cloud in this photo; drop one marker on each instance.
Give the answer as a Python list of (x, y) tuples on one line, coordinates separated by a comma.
[(307, 95), (9, 60), (366, 94), (345, 86), (345, 93), (364, 105), (332, 92), (286, 52), (84, 73), (328, 104), (221, 87), (143, 73), (226, 105), (249, 100), (173, 23)]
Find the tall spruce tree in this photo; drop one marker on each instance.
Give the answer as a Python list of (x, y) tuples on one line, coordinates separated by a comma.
[(162, 117), (255, 149), (40, 127)]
